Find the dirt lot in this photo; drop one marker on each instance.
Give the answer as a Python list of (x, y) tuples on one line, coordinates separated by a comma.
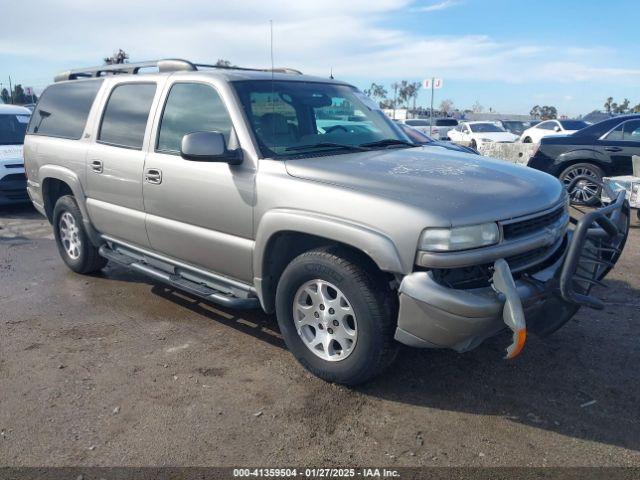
[(114, 370)]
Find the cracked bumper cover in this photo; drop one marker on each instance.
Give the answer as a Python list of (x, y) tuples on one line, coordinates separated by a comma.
[(434, 316)]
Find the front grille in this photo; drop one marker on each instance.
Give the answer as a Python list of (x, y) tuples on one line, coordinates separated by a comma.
[(532, 225), (479, 276), (14, 177)]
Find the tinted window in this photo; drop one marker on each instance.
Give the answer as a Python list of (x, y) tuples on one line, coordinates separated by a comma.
[(446, 122), (125, 116), (13, 128), (191, 107), (547, 125), (417, 123), (573, 124), (63, 109), (632, 131)]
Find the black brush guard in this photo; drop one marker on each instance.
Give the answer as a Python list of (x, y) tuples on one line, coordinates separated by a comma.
[(597, 243)]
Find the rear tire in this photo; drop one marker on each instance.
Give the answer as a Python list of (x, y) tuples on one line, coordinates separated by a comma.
[(347, 283), (589, 194), (71, 238)]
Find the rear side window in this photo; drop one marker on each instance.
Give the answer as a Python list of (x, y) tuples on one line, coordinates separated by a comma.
[(446, 122), (63, 109), (124, 120), (191, 107)]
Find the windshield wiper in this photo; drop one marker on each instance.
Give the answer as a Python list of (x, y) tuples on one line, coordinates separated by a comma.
[(343, 146), (388, 142)]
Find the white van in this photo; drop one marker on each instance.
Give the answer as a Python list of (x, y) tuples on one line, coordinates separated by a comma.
[(13, 182)]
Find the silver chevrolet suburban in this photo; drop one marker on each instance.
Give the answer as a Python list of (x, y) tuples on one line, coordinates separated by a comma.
[(271, 189)]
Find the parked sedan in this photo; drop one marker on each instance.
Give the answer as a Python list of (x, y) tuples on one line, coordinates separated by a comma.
[(552, 128), (423, 139), (603, 149), (480, 133)]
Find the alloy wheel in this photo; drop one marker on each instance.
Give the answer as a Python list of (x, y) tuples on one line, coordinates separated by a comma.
[(325, 320), (70, 235), (584, 191)]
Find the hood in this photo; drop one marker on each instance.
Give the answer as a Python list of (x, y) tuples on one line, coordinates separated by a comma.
[(497, 136), (11, 153), (454, 188)]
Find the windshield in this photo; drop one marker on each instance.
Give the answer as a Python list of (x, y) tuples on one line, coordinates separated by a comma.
[(418, 123), (485, 127), (446, 122), (13, 128), (296, 119), (573, 124)]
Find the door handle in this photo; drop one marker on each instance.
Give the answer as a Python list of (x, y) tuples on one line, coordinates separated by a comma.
[(613, 149), (153, 176), (96, 166)]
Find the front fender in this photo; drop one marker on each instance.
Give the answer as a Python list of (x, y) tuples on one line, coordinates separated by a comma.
[(378, 246)]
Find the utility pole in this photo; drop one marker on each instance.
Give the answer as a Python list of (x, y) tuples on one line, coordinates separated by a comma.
[(433, 79), (10, 90)]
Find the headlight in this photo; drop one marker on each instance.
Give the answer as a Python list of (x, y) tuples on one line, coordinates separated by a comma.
[(459, 238), (486, 140)]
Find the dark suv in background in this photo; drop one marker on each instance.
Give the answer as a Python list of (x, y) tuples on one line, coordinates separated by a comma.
[(603, 149)]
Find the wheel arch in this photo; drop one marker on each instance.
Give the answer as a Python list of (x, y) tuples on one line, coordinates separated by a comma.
[(57, 181), (285, 234), (564, 163)]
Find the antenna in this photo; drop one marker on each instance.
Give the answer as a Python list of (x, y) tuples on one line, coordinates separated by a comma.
[(331, 73), (271, 29)]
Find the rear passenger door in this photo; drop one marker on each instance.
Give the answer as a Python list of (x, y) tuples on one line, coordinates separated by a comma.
[(115, 161), (198, 212), (620, 145)]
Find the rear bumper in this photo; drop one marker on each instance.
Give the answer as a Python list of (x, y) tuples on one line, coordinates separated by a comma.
[(432, 315)]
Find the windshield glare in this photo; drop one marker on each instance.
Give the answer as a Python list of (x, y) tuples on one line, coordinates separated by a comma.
[(485, 128), (13, 128), (287, 116)]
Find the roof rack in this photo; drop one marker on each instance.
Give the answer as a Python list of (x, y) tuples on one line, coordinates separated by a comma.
[(165, 65)]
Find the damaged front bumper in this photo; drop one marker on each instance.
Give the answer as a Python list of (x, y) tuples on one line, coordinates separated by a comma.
[(433, 315)]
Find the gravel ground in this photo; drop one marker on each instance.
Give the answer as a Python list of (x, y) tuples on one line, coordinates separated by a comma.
[(114, 370)]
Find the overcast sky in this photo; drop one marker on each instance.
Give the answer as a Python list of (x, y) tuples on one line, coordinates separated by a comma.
[(506, 54)]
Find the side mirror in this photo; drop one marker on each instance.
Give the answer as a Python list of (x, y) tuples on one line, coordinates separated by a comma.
[(208, 147), (556, 128)]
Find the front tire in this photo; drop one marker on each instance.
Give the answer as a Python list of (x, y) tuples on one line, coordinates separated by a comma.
[(527, 140), (337, 316), (474, 145), (73, 243)]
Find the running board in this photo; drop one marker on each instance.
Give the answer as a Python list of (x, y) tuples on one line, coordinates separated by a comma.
[(176, 280)]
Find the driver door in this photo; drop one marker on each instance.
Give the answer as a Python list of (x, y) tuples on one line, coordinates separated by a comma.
[(198, 212)]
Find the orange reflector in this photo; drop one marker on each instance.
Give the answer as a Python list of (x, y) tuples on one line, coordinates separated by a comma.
[(519, 339)]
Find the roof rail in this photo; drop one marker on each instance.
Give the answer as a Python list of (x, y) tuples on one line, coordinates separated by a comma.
[(166, 65)]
